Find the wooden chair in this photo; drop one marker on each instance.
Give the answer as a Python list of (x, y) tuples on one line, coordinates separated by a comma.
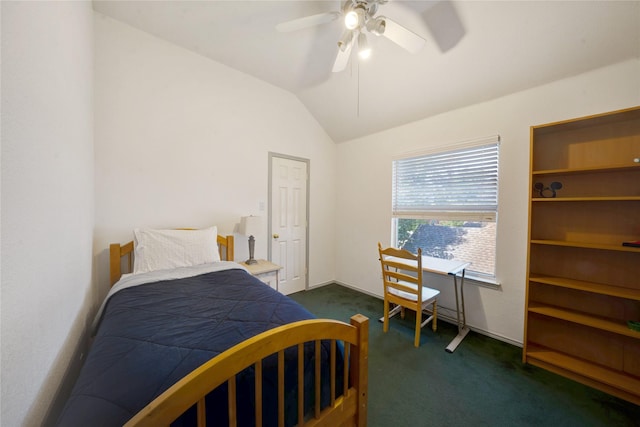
[(403, 285)]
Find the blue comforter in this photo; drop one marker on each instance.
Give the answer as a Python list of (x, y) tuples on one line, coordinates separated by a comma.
[(151, 335)]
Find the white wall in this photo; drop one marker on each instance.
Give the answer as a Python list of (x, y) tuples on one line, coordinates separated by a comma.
[(364, 194), (182, 140), (47, 199)]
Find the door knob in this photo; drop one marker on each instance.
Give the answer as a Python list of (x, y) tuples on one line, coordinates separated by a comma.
[(275, 236)]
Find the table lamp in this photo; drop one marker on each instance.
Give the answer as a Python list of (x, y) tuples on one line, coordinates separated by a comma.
[(250, 225)]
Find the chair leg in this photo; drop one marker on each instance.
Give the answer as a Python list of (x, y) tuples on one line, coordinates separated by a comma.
[(416, 341), (435, 316), (385, 325)]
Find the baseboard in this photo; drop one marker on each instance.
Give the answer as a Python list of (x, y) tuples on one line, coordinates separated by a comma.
[(445, 318), (320, 285), (380, 297)]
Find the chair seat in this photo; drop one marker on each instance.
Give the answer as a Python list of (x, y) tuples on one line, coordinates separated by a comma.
[(427, 293)]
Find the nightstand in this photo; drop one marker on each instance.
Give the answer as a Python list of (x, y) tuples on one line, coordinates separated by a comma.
[(264, 270)]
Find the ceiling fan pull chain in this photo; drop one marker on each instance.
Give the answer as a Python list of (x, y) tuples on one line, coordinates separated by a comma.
[(358, 78)]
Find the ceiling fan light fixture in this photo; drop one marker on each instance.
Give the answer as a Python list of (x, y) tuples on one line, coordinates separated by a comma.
[(377, 25), (364, 50), (354, 18), (346, 40)]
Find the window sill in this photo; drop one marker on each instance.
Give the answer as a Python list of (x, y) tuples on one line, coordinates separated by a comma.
[(487, 282)]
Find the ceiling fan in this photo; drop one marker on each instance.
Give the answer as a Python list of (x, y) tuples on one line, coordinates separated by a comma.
[(360, 20)]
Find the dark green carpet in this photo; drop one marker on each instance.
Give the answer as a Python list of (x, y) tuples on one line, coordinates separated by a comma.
[(483, 383)]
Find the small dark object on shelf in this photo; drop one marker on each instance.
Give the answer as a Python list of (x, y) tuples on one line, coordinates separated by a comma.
[(635, 244), (547, 192)]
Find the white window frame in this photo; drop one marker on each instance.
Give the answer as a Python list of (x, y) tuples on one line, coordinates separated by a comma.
[(477, 193)]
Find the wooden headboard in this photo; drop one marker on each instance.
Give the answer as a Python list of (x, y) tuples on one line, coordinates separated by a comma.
[(118, 251)]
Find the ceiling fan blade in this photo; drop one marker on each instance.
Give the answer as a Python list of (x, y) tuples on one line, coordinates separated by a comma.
[(307, 21), (444, 24), (342, 59), (402, 36)]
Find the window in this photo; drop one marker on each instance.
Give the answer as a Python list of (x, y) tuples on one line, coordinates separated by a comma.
[(447, 204)]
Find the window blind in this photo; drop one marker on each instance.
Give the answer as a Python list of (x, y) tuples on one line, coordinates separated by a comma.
[(457, 184)]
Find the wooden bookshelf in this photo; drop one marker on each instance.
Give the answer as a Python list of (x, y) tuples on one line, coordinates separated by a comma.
[(583, 285)]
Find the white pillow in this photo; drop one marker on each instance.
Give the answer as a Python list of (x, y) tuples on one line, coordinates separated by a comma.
[(163, 249)]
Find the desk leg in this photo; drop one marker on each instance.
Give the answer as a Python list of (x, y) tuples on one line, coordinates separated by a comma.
[(464, 314), (462, 323)]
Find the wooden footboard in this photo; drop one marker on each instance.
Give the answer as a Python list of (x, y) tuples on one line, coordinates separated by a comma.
[(117, 252), (349, 409)]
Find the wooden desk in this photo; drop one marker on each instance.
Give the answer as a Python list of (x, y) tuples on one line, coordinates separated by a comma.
[(454, 269)]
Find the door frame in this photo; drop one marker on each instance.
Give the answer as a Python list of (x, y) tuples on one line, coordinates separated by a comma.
[(270, 207)]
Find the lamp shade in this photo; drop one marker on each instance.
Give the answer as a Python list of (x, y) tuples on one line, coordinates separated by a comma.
[(250, 225)]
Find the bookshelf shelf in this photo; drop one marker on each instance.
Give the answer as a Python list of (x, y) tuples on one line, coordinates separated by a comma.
[(609, 380)]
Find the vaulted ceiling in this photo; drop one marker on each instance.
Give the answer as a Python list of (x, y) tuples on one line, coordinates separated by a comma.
[(507, 46)]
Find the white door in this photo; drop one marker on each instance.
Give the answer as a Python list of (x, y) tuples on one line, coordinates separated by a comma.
[(289, 222)]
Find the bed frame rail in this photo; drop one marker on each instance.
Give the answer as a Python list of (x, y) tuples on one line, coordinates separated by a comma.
[(349, 409)]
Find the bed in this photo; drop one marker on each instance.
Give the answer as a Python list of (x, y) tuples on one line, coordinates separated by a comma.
[(194, 339)]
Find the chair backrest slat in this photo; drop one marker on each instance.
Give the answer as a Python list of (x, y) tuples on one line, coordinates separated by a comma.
[(399, 276)]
